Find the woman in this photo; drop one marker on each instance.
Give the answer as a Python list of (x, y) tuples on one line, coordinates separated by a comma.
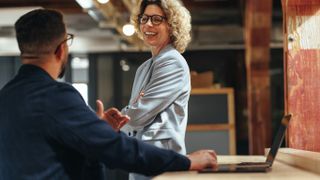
[(158, 106)]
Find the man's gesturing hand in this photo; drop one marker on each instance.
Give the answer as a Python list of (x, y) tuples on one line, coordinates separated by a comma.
[(112, 116)]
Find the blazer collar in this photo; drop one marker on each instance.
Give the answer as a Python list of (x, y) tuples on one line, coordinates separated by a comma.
[(165, 49), (29, 69)]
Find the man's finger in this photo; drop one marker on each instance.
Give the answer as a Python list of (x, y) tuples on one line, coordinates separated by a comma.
[(123, 121), (100, 108), (109, 118), (113, 112)]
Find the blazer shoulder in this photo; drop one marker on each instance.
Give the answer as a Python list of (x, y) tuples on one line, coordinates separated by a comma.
[(64, 93), (62, 86), (171, 56), (170, 53)]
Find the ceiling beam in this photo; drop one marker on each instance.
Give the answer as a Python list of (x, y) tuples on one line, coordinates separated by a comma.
[(66, 6)]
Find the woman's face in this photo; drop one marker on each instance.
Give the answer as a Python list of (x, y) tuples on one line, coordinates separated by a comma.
[(156, 36)]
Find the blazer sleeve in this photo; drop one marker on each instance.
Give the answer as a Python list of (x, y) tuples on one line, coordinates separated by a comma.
[(78, 128), (165, 85)]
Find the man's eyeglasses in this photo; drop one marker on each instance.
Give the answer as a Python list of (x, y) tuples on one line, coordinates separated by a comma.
[(155, 19), (68, 40)]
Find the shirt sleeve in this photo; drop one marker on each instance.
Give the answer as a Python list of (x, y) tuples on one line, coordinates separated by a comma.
[(78, 128), (167, 80)]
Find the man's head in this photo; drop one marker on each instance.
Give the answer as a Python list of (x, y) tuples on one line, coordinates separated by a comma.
[(42, 33)]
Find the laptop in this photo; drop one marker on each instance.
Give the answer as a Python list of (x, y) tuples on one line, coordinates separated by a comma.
[(256, 166)]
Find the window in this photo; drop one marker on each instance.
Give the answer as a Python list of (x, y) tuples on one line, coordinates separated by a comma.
[(80, 75)]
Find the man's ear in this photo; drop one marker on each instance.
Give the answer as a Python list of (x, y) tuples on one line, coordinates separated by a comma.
[(60, 51)]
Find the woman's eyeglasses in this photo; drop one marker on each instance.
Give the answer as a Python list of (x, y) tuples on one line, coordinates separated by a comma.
[(155, 19), (68, 40)]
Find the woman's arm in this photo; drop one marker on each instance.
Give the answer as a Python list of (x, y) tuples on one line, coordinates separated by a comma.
[(167, 81)]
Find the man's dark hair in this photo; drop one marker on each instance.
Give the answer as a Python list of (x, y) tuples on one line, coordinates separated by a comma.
[(39, 31)]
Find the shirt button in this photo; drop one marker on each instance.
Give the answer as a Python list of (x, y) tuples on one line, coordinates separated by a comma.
[(134, 133), (129, 133)]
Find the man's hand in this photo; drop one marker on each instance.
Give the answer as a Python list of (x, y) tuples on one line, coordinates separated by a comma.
[(112, 116), (203, 159)]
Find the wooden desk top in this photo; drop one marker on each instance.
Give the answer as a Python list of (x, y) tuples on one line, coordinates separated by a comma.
[(279, 171)]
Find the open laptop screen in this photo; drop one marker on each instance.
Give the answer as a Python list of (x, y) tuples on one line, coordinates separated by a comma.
[(278, 139)]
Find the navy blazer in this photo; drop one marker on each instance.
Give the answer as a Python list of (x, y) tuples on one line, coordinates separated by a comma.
[(48, 132)]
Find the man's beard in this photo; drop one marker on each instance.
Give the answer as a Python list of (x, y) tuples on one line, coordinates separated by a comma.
[(62, 71)]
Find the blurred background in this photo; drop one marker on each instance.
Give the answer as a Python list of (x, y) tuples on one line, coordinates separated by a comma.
[(104, 58)]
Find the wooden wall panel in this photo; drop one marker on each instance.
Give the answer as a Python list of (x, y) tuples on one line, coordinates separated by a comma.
[(302, 72), (257, 40)]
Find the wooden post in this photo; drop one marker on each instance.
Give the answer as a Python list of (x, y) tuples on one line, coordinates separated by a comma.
[(257, 41), (302, 72)]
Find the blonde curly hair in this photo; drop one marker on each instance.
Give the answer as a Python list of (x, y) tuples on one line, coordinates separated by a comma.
[(178, 18)]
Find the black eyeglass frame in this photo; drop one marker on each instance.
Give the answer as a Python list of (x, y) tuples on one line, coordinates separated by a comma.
[(152, 18), (69, 38)]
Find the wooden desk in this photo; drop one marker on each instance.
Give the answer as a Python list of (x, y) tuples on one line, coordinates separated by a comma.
[(279, 171)]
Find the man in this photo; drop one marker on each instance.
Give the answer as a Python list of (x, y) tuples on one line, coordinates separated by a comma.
[(48, 132)]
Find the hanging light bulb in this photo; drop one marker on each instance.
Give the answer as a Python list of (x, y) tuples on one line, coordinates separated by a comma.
[(85, 4), (103, 1), (128, 29)]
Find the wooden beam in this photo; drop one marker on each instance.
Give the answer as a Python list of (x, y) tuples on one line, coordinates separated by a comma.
[(257, 40), (65, 6), (192, 5), (129, 5), (120, 6), (302, 71)]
